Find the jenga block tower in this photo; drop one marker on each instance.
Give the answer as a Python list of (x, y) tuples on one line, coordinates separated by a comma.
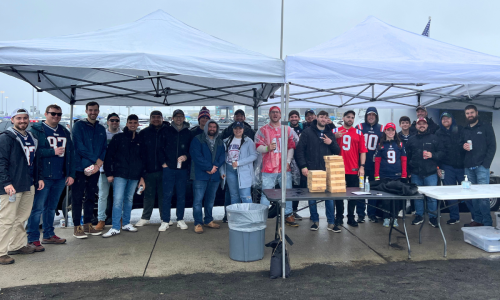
[(316, 181), (335, 174)]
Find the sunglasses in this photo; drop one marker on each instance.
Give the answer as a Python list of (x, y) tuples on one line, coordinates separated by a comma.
[(114, 120), (55, 114)]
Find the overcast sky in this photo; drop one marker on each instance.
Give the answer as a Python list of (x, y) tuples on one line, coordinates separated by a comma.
[(253, 24)]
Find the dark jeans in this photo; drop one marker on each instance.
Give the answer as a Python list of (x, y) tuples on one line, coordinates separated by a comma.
[(154, 187), (83, 191), (303, 184), (361, 206), (351, 180), (44, 205), (178, 179), (453, 176), (204, 193)]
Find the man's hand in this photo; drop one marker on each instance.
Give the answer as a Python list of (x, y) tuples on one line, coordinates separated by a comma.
[(142, 183), (361, 171), (272, 147), (10, 190), (182, 158), (340, 134), (377, 178), (99, 163), (428, 154), (164, 165), (235, 164), (223, 176), (110, 179), (287, 166), (69, 181), (59, 151), (467, 146), (327, 140), (96, 169), (439, 172), (41, 185), (305, 171), (214, 169)]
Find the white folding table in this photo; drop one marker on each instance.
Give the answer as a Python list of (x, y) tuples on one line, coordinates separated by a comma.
[(455, 192)]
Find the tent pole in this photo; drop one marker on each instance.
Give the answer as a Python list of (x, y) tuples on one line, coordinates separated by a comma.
[(255, 118), (67, 187), (283, 146)]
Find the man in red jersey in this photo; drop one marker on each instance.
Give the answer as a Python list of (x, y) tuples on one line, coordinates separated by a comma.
[(353, 151)]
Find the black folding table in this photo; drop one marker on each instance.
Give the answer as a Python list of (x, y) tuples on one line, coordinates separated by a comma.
[(303, 194)]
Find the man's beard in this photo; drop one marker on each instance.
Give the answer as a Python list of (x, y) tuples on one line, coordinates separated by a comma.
[(294, 123), (473, 120), (211, 133), (349, 123)]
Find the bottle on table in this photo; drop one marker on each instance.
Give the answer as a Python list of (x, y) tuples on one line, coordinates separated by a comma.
[(466, 184), (367, 185)]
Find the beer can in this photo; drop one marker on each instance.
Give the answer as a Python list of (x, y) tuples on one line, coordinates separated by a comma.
[(179, 164), (141, 188), (361, 182), (442, 174), (470, 144), (424, 154), (62, 222)]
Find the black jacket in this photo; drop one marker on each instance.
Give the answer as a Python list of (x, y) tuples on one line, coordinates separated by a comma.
[(195, 131), (123, 157), (152, 143), (396, 187), (432, 127), (454, 152), (415, 152), (484, 145), (14, 168), (311, 149), (176, 143), (247, 130)]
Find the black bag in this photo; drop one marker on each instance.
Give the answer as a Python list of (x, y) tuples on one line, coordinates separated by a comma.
[(276, 270), (273, 211)]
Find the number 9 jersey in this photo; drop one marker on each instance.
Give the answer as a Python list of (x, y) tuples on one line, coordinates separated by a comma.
[(352, 143), (390, 160)]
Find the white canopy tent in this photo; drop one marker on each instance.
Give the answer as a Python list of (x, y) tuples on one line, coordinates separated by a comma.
[(156, 60), (376, 64)]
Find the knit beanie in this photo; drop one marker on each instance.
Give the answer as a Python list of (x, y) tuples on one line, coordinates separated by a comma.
[(204, 112)]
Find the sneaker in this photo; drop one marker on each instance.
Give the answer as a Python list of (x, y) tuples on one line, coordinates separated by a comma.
[(6, 260), (89, 229), (418, 220), (100, 226), (212, 225), (111, 233), (170, 223), (373, 219), (23, 250), (78, 232), (314, 226), (54, 240), (473, 224), (290, 221), (164, 226), (182, 225), (395, 223), (452, 221), (141, 222), (352, 223), (334, 228), (198, 228), (387, 223), (224, 220), (129, 227), (297, 217), (361, 220), (38, 247), (433, 222)]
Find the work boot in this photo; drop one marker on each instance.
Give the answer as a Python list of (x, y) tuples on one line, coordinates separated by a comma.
[(212, 225), (89, 229), (78, 232), (100, 226), (198, 228), (23, 250), (290, 221), (6, 260), (38, 247), (352, 222), (473, 224), (54, 240)]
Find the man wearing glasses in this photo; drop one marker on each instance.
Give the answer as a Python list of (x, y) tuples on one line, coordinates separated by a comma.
[(55, 148), (104, 185)]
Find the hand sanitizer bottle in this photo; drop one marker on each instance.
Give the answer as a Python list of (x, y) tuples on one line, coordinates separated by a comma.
[(466, 183), (367, 185)]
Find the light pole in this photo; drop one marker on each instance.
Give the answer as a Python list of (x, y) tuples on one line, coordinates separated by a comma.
[(1, 106), (22, 106), (6, 108)]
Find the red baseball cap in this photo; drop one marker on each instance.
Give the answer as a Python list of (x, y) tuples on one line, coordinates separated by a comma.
[(274, 107), (421, 119), (390, 125)]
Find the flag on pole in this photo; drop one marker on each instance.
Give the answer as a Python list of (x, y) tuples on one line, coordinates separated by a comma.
[(427, 29)]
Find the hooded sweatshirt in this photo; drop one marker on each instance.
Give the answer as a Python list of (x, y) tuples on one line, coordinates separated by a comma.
[(206, 153), (453, 148), (372, 135)]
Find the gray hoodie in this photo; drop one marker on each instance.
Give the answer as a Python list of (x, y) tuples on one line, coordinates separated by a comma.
[(211, 142)]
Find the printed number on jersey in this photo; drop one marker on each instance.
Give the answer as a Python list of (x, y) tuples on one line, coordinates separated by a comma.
[(391, 156), (346, 141), (371, 141), (27, 151), (57, 141)]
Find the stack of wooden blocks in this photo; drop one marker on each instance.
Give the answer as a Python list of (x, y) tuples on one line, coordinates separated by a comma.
[(335, 174), (316, 181)]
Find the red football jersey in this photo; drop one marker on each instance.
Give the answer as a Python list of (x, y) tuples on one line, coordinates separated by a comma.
[(352, 143), (271, 161)]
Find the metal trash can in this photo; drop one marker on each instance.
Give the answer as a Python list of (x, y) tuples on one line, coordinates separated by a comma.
[(247, 228)]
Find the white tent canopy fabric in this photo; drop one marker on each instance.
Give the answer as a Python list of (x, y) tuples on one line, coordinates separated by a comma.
[(156, 60), (377, 62)]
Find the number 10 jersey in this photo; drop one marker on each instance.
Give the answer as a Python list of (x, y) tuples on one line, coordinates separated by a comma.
[(352, 143)]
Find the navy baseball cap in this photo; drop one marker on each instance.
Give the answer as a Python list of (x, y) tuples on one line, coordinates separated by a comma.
[(177, 111), (309, 111), (238, 124)]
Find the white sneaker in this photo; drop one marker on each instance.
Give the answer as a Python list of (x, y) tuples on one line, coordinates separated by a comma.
[(170, 223), (163, 226), (182, 224), (142, 222), (129, 227), (110, 233)]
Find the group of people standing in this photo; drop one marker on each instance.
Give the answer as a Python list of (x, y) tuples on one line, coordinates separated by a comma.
[(37, 164)]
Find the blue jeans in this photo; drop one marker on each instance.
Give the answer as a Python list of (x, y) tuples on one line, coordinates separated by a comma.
[(238, 195), (269, 182), (123, 198), (102, 203), (430, 180), (204, 190), (453, 176), (330, 211), (178, 179), (481, 207), (45, 202)]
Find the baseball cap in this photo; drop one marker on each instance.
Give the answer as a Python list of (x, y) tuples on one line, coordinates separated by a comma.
[(349, 112), (19, 111), (238, 124), (239, 111), (421, 119), (371, 112), (421, 107), (446, 115), (274, 107), (309, 111), (177, 111), (390, 125), (155, 113), (112, 115)]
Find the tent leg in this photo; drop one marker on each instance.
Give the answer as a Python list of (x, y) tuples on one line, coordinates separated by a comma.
[(255, 118), (67, 187)]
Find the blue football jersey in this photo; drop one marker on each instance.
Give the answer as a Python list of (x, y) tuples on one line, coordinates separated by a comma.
[(372, 136), (29, 150), (392, 160), (56, 138)]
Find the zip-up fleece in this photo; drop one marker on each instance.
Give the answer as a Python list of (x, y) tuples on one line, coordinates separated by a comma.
[(152, 144), (90, 144), (203, 158), (123, 157), (484, 145), (415, 153)]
